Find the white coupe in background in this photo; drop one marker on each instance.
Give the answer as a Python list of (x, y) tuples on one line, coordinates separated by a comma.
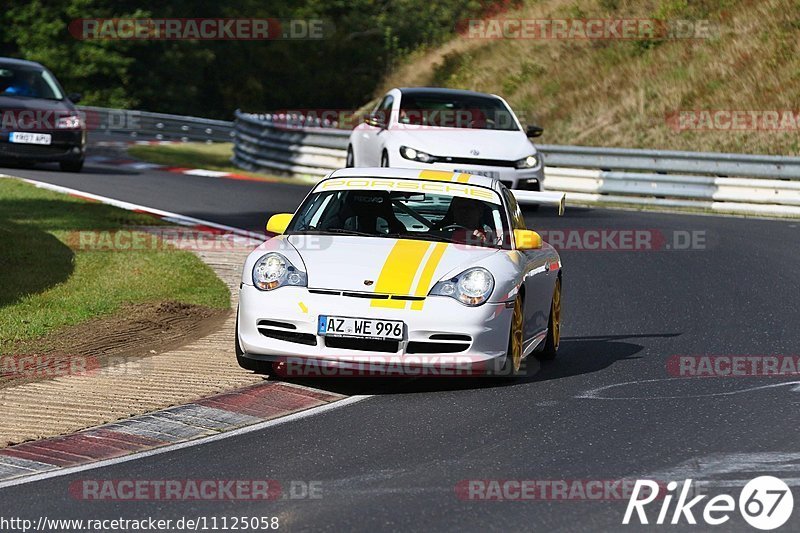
[(401, 263), (445, 129)]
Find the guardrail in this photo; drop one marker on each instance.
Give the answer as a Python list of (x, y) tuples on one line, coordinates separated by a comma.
[(263, 143), (731, 183), (159, 126)]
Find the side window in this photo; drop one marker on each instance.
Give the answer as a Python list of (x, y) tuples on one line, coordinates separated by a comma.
[(384, 109), (517, 220)]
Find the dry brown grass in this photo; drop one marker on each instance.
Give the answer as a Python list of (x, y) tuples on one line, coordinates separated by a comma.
[(619, 93)]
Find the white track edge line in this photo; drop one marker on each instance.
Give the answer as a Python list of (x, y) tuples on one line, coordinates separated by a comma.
[(128, 206), (59, 472)]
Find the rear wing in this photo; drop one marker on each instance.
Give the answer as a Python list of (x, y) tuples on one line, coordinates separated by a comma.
[(557, 199)]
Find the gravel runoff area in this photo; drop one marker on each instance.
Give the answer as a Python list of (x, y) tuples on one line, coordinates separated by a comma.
[(66, 404)]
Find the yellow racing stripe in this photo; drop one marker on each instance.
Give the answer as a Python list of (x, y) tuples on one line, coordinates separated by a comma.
[(436, 175), (444, 175), (399, 271), (427, 274)]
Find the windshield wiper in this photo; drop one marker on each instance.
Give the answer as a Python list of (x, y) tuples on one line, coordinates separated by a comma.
[(343, 231), (422, 237)]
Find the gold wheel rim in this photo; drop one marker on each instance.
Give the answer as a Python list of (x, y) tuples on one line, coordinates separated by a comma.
[(516, 336), (557, 314)]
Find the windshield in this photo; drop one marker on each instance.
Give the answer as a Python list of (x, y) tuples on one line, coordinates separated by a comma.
[(388, 213), (28, 82), (456, 111)]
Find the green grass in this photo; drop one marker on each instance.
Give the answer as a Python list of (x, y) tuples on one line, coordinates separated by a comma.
[(47, 281), (214, 156)]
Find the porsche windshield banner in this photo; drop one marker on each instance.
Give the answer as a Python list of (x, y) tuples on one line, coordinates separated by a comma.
[(448, 188)]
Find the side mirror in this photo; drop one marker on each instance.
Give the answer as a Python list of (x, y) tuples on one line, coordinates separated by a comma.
[(526, 239), (376, 120), (277, 224), (74, 97), (534, 131)]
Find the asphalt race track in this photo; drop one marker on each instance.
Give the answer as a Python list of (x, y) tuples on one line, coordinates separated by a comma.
[(607, 408)]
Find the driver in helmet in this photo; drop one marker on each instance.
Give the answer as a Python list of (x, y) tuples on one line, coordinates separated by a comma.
[(468, 214)]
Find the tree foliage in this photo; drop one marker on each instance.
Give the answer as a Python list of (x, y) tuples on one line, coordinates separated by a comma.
[(212, 78)]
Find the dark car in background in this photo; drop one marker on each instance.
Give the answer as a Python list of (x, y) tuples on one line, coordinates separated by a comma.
[(38, 121)]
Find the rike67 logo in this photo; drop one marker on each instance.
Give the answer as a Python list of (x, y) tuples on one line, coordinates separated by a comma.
[(765, 503)]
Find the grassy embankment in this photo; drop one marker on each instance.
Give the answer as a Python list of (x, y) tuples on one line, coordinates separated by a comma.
[(49, 281), (619, 93)]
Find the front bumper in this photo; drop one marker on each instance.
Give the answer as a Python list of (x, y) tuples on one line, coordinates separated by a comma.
[(530, 179), (66, 145), (443, 327)]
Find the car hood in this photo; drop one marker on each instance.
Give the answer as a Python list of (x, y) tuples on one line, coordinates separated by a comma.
[(39, 104), (461, 142), (382, 265), (32, 114)]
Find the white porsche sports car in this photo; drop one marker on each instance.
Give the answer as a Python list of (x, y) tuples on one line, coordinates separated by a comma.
[(402, 263), (445, 129)]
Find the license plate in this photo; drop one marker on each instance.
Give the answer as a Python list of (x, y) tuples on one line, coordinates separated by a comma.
[(30, 138), (362, 328), (488, 173)]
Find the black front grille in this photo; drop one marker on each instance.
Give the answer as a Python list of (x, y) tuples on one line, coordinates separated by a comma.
[(365, 295), (289, 336), (368, 295), (365, 345), (435, 347), (475, 161), (408, 298), (276, 324), (450, 337), (529, 185)]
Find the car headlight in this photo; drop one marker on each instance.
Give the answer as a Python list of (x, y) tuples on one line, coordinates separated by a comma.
[(273, 270), (71, 122), (472, 287), (416, 155), (527, 162)]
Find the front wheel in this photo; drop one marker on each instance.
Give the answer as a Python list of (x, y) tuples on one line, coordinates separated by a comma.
[(350, 161), (553, 327), (513, 362), (385, 160)]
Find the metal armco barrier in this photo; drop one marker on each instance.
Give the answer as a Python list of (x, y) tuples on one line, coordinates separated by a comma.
[(156, 126), (720, 164), (262, 144), (729, 183), (757, 196)]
